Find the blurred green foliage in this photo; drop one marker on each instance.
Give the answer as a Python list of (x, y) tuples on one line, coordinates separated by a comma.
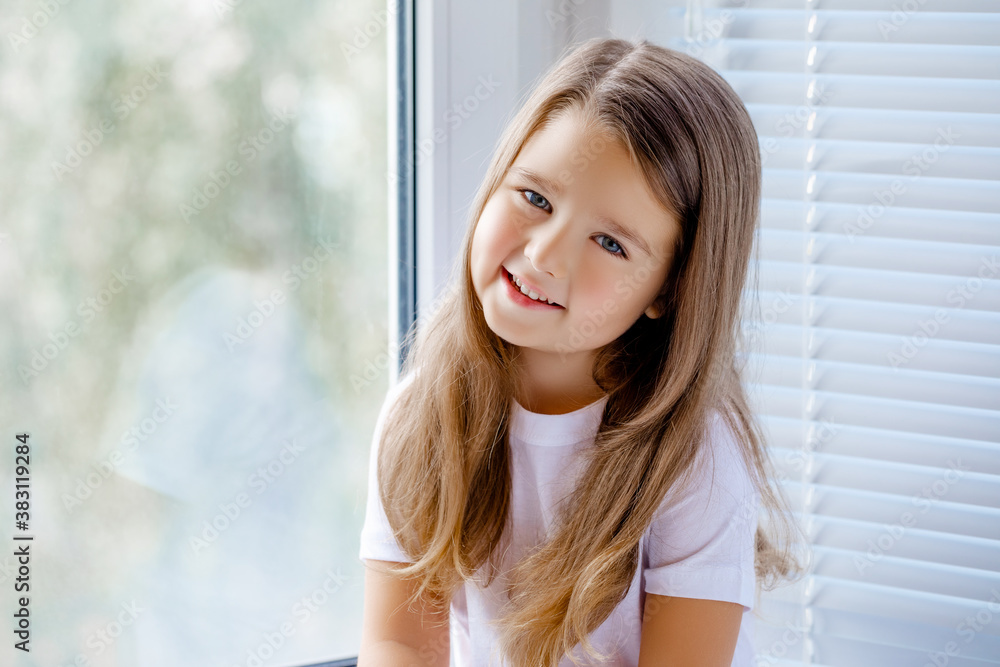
[(151, 148)]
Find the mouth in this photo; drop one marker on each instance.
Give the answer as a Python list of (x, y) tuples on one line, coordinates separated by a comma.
[(527, 295)]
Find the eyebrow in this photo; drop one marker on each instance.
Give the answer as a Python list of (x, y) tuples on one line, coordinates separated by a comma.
[(546, 183), (621, 230), (614, 226)]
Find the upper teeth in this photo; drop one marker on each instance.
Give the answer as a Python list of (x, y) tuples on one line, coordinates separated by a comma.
[(530, 293)]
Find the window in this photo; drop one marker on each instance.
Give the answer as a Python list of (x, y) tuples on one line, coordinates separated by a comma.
[(876, 370), (195, 264)]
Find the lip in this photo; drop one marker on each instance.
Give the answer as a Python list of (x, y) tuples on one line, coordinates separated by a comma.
[(522, 299)]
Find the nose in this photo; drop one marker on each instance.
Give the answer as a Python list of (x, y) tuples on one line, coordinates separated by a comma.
[(548, 248)]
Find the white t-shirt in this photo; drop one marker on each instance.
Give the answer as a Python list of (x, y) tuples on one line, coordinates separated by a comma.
[(701, 547)]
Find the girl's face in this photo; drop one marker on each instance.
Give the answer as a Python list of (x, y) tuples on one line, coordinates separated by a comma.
[(574, 223)]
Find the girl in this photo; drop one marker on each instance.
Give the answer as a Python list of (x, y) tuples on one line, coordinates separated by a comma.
[(568, 472)]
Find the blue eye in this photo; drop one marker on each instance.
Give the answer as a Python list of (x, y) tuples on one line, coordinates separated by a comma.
[(611, 246), (535, 199), (538, 201)]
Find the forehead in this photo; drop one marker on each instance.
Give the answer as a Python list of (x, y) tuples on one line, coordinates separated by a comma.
[(577, 164)]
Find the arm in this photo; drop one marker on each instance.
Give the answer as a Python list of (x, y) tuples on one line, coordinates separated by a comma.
[(394, 636), (701, 552), (688, 632)]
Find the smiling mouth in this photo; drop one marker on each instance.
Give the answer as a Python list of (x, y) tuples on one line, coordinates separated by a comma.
[(536, 298)]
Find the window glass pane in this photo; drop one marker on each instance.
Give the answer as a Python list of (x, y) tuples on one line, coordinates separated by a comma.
[(193, 262)]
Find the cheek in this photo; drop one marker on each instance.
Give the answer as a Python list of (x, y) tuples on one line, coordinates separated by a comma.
[(603, 282), (600, 288), (496, 233), (620, 293)]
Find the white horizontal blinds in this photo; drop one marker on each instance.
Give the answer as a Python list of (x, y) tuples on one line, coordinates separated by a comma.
[(877, 373)]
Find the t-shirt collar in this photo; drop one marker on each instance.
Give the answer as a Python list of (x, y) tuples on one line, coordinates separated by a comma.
[(556, 430)]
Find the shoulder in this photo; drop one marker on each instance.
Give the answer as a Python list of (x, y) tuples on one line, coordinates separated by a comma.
[(701, 542), (394, 393), (395, 390), (717, 492), (722, 456), (720, 471), (391, 398)]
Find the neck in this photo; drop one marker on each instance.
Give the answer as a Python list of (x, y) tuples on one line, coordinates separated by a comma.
[(554, 384)]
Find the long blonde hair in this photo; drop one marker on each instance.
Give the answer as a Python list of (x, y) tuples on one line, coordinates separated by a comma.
[(444, 461)]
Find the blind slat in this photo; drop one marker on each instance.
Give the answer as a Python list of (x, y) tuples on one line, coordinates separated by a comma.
[(788, 436), (869, 92), (874, 192), (904, 487), (873, 356), (889, 414), (942, 227), (854, 248), (946, 61), (977, 292), (877, 125)]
